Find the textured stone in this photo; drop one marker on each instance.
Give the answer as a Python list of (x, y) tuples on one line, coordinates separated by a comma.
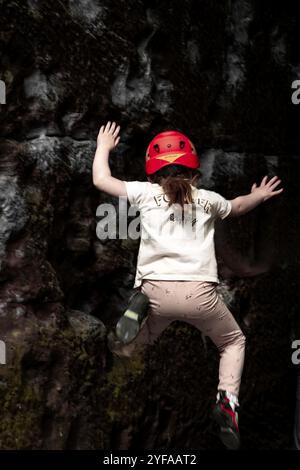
[(219, 71)]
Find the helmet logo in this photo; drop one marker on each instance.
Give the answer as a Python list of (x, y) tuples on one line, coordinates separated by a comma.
[(170, 158)]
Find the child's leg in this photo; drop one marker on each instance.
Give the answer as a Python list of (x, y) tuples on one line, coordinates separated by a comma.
[(150, 330), (211, 316), (151, 327)]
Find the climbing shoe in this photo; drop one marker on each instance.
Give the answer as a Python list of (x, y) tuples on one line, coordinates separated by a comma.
[(131, 321), (226, 416)]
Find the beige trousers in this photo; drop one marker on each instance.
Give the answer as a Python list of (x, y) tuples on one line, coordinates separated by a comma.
[(197, 303)]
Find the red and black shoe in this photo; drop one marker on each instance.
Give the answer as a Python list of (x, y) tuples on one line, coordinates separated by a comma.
[(227, 419)]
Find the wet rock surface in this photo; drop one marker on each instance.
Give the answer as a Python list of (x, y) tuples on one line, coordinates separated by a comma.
[(221, 72)]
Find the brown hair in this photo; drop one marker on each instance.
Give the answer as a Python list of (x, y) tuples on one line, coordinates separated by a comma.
[(176, 181)]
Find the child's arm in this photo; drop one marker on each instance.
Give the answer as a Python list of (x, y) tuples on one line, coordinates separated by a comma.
[(107, 140), (242, 204)]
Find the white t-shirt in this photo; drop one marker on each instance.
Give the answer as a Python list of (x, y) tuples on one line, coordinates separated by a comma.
[(176, 244)]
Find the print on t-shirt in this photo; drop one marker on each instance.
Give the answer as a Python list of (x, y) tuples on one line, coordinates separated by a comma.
[(200, 201)]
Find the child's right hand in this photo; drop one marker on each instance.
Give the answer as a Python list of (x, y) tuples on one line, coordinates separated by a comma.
[(108, 136), (267, 189)]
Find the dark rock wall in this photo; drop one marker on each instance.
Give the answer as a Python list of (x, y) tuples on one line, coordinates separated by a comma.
[(220, 72)]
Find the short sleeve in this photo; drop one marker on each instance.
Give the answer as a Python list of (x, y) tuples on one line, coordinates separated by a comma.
[(221, 207), (136, 191)]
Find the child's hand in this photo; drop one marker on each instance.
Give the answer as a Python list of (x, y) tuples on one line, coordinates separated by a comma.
[(108, 136), (267, 190)]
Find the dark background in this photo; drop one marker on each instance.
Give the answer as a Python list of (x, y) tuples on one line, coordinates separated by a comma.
[(219, 71)]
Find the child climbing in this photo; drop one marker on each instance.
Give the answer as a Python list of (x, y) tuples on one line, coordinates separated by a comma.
[(176, 265)]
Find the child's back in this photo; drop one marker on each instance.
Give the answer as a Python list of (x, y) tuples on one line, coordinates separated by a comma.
[(176, 243)]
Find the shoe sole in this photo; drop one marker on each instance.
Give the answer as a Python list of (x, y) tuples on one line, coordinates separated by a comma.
[(127, 329), (227, 435)]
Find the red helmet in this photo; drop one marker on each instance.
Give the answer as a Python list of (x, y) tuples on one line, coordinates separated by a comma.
[(168, 148)]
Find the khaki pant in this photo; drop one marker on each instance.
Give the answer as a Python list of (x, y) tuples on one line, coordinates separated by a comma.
[(197, 303)]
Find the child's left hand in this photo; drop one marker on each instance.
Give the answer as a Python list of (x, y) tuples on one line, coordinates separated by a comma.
[(267, 189), (108, 136)]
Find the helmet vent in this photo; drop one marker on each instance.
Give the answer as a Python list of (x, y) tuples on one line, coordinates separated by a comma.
[(181, 144), (156, 148)]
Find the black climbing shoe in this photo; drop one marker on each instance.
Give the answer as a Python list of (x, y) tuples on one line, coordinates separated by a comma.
[(131, 321), (227, 419)]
